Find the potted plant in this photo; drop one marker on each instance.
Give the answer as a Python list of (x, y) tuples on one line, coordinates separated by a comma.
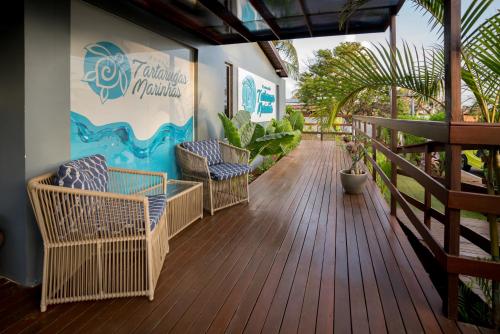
[(354, 178)]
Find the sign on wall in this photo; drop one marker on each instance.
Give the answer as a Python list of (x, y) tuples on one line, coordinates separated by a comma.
[(257, 96), (132, 92)]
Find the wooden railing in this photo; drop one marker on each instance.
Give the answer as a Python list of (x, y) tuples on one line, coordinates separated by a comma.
[(440, 135), (346, 123)]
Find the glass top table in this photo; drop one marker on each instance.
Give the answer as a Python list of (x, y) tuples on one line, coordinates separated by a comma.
[(177, 187)]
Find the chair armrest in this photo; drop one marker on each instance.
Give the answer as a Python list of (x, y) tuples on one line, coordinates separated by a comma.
[(234, 154), (192, 164), (67, 215), (131, 181)]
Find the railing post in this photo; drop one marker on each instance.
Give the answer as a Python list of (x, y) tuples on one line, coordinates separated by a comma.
[(394, 113), (365, 141), (427, 196), (452, 42)]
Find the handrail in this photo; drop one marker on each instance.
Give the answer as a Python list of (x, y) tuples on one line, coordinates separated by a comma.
[(456, 133), (453, 199)]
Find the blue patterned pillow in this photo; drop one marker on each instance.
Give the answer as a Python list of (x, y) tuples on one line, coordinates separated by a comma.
[(209, 149), (89, 173)]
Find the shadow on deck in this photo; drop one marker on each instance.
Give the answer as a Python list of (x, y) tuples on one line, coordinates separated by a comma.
[(301, 257)]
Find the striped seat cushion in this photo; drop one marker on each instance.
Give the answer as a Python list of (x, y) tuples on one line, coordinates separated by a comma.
[(226, 170), (156, 207), (209, 149)]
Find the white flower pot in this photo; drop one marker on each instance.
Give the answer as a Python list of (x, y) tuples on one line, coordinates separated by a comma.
[(353, 183)]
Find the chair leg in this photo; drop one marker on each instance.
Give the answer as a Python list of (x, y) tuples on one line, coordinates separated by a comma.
[(43, 301)]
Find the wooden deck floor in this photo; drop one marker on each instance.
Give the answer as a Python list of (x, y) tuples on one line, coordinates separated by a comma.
[(301, 257)]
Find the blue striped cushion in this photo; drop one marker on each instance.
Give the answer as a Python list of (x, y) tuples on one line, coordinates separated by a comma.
[(89, 173), (156, 207), (209, 149), (225, 171)]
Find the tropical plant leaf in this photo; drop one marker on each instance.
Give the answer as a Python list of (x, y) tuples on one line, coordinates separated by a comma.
[(270, 144), (241, 118), (296, 119), (246, 133), (258, 132), (283, 125), (230, 130)]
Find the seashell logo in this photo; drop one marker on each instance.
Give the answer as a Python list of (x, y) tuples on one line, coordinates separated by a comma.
[(106, 70), (249, 93)]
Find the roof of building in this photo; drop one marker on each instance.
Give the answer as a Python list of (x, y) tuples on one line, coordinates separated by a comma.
[(239, 21)]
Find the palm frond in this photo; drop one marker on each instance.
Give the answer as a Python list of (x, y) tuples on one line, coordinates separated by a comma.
[(349, 9), (420, 72), (289, 55)]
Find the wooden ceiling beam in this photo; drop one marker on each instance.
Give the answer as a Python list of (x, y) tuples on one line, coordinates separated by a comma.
[(267, 16), (306, 17), (173, 14), (229, 18)]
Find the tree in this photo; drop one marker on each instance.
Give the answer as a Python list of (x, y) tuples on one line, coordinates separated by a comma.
[(422, 72), (317, 86), (288, 54)]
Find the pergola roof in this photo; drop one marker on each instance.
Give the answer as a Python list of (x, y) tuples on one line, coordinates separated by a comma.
[(239, 21)]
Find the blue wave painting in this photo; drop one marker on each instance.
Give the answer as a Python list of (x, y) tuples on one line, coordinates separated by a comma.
[(118, 143)]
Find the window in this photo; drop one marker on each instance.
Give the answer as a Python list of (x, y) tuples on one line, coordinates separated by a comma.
[(228, 91)]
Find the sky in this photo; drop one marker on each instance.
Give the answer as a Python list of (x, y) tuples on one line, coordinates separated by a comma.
[(411, 26)]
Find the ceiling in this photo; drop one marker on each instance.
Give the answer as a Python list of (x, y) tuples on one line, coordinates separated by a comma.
[(240, 21)]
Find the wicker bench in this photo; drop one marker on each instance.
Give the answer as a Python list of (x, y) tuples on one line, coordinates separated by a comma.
[(107, 239)]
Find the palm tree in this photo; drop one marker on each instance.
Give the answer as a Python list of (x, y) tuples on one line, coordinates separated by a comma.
[(422, 72), (288, 54)]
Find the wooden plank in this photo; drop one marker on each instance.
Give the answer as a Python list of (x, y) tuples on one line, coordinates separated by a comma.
[(270, 268), (375, 311), (279, 302), (358, 307), (295, 304), (342, 316), (311, 304), (462, 133), (325, 316), (208, 303), (433, 130), (430, 292)]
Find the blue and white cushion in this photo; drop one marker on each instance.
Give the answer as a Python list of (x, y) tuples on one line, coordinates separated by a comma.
[(209, 149), (89, 173), (226, 171), (156, 207)]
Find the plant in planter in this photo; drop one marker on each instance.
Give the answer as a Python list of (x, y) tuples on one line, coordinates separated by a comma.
[(354, 178)]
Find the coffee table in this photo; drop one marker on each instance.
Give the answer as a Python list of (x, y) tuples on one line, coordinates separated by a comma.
[(184, 205)]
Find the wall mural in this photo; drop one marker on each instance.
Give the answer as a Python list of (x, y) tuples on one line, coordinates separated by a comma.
[(257, 96), (132, 92)]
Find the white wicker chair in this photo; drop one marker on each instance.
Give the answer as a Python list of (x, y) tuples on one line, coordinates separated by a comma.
[(217, 194), (100, 244)]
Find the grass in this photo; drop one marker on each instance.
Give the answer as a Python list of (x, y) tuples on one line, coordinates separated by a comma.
[(415, 190)]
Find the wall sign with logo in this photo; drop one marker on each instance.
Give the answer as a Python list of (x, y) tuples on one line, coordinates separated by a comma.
[(132, 92), (257, 96)]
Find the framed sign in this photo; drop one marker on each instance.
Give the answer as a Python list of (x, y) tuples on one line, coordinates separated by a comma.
[(132, 92), (257, 96)]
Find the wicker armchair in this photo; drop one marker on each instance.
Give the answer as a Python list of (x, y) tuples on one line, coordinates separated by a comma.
[(101, 244), (221, 188)]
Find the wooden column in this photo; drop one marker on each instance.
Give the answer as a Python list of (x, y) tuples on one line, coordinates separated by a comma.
[(394, 113), (453, 152)]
